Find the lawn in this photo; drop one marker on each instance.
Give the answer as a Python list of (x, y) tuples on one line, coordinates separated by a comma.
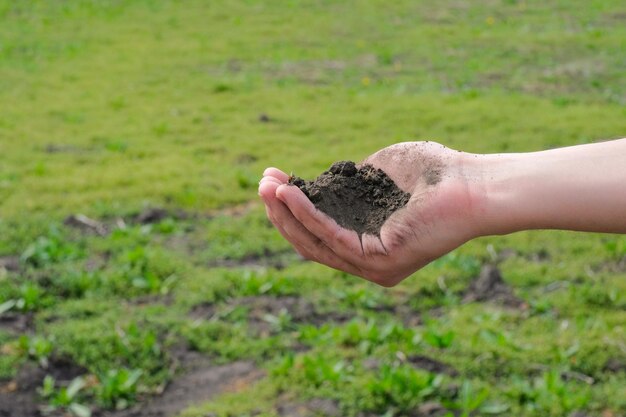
[(139, 276)]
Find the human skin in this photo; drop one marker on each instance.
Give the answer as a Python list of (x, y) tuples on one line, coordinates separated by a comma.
[(456, 197)]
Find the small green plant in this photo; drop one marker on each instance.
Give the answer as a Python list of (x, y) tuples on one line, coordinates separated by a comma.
[(319, 370), (471, 399), (32, 297), (118, 388), (139, 344), (142, 271), (468, 265), (64, 398), (368, 335), (498, 338), (363, 297), (37, 348), (438, 338), (281, 322), (549, 394), (400, 388), (50, 248)]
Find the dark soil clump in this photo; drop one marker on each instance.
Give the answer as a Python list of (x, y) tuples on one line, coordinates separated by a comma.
[(359, 199)]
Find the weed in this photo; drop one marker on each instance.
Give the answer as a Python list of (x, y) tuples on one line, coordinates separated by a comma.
[(118, 388), (50, 248), (37, 348), (437, 338), (65, 398), (400, 388)]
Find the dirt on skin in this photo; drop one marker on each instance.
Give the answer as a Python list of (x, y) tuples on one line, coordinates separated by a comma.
[(357, 198)]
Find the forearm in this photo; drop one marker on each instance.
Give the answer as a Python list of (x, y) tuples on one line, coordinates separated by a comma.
[(575, 188)]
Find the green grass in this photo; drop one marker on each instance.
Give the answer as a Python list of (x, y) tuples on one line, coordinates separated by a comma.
[(108, 107)]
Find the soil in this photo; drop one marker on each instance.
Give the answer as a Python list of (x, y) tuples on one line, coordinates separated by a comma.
[(16, 323), (10, 263), (489, 286), (86, 224), (315, 407), (615, 365), (299, 309), (432, 365), (19, 397), (202, 381), (357, 198), (151, 215), (268, 259)]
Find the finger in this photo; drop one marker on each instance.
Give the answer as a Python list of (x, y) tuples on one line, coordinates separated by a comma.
[(305, 243), (276, 173), (343, 242), (270, 179)]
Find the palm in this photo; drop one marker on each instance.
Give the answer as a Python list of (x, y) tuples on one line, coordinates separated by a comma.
[(434, 221)]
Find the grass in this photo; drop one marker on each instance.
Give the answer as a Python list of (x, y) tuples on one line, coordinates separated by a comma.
[(109, 107)]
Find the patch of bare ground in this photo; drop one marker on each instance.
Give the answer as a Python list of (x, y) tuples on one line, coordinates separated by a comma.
[(198, 381), (312, 408), (10, 263), (427, 409), (237, 210), (431, 365), (615, 365), (19, 396), (490, 287), (409, 316), (616, 266), (16, 322), (267, 259), (300, 311)]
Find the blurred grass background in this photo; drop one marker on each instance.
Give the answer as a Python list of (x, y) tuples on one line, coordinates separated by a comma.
[(109, 107)]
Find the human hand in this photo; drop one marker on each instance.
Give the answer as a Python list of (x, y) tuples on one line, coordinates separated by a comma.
[(440, 215)]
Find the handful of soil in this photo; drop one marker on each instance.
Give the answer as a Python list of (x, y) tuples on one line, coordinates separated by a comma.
[(359, 199)]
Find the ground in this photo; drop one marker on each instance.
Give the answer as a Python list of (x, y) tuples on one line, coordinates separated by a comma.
[(139, 276)]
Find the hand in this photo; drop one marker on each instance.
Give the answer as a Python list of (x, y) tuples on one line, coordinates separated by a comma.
[(440, 216)]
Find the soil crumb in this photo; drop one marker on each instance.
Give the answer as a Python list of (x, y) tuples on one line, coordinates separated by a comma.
[(357, 198)]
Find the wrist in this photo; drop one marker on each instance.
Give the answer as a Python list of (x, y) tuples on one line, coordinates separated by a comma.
[(499, 185)]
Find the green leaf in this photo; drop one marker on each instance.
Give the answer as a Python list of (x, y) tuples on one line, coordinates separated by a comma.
[(7, 305), (494, 408), (80, 410), (76, 385)]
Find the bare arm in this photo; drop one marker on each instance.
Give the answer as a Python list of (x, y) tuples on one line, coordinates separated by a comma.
[(579, 188)]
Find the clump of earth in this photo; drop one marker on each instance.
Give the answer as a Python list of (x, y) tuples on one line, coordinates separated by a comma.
[(357, 198)]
